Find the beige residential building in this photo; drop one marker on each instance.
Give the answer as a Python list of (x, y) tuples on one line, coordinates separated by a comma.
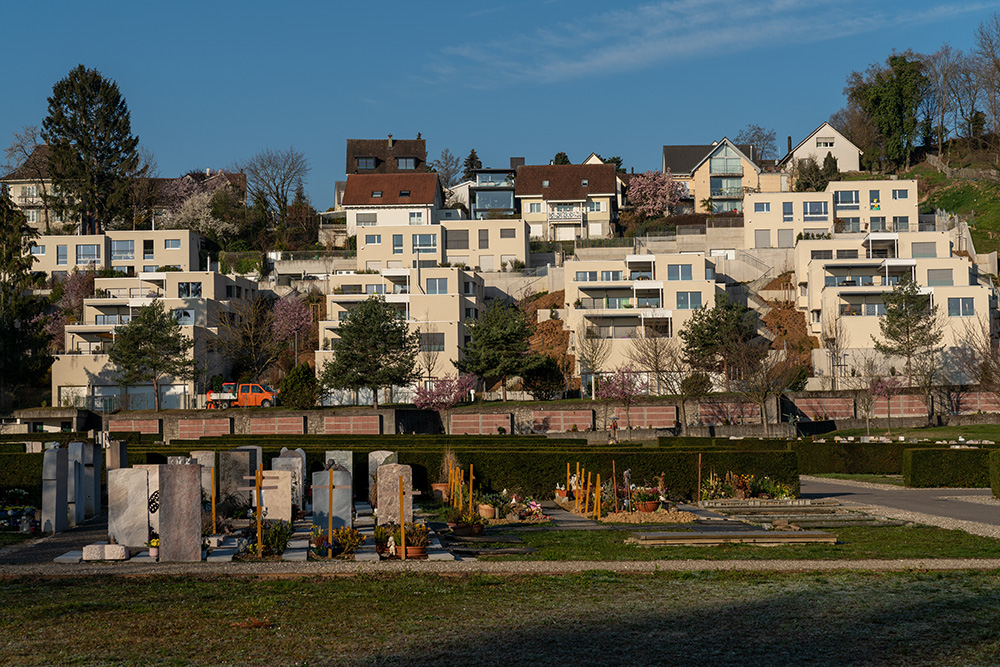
[(131, 252), (395, 200), (824, 140), (568, 201), (82, 375), (635, 295)]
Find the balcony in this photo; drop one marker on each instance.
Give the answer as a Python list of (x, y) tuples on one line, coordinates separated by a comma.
[(575, 216), (619, 303), (727, 193), (613, 331)]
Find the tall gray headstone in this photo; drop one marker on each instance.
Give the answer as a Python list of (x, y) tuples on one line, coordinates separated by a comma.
[(206, 458), (375, 459), (84, 452), (116, 455), (234, 465), (293, 464), (75, 493), (343, 458), (54, 491), (388, 493), (180, 513), (256, 460), (343, 505), (128, 510), (277, 501), (153, 488)]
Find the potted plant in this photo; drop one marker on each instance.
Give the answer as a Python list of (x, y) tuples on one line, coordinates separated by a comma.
[(381, 537), (417, 539), (647, 500), (469, 523), (440, 488), (488, 504), (154, 545)]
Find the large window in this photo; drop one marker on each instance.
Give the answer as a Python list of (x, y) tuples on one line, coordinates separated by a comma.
[(432, 342), (847, 199), (437, 285), (416, 217), (815, 211), (939, 278), (367, 219), (878, 224), (374, 289), (425, 243), (373, 239), (678, 272), (406, 163), (961, 307), (121, 250), (586, 276), (901, 223), (457, 239), (172, 244), (189, 290), (726, 161), (787, 211), (900, 194), (761, 207), (88, 254), (397, 244), (366, 163), (534, 207), (184, 316), (611, 276), (688, 300), (928, 249)]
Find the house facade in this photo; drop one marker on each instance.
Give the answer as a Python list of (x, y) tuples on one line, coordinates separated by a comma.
[(568, 201), (824, 140), (131, 252)]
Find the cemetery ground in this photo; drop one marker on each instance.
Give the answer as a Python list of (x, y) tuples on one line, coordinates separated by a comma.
[(594, 617)]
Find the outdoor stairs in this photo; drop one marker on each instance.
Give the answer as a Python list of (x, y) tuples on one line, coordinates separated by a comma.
[(298, 546)]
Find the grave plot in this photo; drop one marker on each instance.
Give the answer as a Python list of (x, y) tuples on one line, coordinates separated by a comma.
[(797, 514)]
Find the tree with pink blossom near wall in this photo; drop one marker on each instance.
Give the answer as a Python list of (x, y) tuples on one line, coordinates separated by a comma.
[(623, 385), (444, 394)]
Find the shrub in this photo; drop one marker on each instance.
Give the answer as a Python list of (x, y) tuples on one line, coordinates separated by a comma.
[(275, 536), (995, 472), (963, 468), (298, 389), (22, 471), (348, 538)]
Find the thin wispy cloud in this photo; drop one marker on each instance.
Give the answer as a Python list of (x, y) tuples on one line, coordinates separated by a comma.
[(673, 31)]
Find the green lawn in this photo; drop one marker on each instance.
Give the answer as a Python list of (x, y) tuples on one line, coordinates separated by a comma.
[(969, 432), (8, 537), (895, 480), (852, 542), (595, 618)]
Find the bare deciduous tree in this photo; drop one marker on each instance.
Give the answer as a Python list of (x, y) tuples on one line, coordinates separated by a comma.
[(593, 352), (835, 339), (271, 178), (142, 192), (427, 358), (967, 87), (664, 359), (448, 168), (763, 374), (18, 155), (988, 53), (245, 337), (864, 372), (940, 68)]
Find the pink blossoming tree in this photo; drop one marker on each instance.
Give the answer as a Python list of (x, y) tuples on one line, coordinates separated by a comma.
[(654, 193), (623, 385), (445, 394)]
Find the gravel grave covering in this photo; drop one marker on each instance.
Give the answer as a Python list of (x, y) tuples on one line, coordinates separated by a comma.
[(660, 516)]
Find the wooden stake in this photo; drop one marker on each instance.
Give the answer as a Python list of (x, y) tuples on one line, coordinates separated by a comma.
[(214, 524), (567, 478), (329, 516), (597, 498), (461, 485), (586, 498), (470, 488), (699, 478), (402, 520), (260, 504), (614, 483), (576, 491)]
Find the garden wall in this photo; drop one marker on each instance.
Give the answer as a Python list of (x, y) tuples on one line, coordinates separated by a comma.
[(197, 428), (478, 423), (278, 425), (560, 421), (647, 416), (145, 426), (352, 425)]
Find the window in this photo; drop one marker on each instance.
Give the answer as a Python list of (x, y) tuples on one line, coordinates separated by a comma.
[(586, 276), (397, 244), (376, 194), (847, 199), (366, 163), (679, 272), (31, 215), (404, 193), (468, 288), (437, 285), (847, 254), (184, 316), (900, 194), (584, 183), (824, 142), (37, 250), (901, 223), (374, 289), (172, 244), (961, 307), (848, 225), (122, 250), (611, 276), (874, 309), (710, 273), (508, 233), (725, 161), (595, 206), (425, 243), (821, 254), (814, 211), (878, 224), (762, 207), (416, 217), (432, 342), (28, 191), (923, 249), (457, 239), (534, 207), (147, 249), (939, 278), (762, 238), (150, 268), (484, 239), (189, 290), (688, 300), (471, 313), (88, 254), (545, 184), (873, 200), (373, 239), (787, 211), (406, 163), (367, 219)]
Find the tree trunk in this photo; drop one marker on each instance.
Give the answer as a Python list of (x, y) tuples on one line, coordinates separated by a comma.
[(375, 397), (683, 416), (503, 387), (763, 418), (156, 394)]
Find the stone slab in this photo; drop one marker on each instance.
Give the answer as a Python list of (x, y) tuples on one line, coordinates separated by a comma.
[(115, 552), (128, 506), (180, 513), (153, 472), (342, 505), (292, 463), (206, 458), (277, 502), (54, 490), (388, 493), (116, 455), (234, 465), (220, 556), (69, 557), (375, 459), (295, 555), (75, 496), (94, 551)]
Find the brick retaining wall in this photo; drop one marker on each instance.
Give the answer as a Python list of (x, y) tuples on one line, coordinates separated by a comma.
[(466, 423), (560, 421), (150, 426), (353, 425), (648, 416), (278, 425), (190, 429)]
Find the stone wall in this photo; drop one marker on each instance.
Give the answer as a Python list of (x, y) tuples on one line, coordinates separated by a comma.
[(146, 426), (478, 423), (353, 425), (295, 425), (560, 421)]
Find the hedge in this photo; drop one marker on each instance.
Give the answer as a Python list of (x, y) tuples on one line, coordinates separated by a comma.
[(22, 471), (854, 458), (995, 472), (964, 468)]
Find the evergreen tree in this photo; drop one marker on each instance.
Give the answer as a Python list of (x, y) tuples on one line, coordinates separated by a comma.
[(498, 345), (561, 158), (471, 162), (298, 388), (910, 327), (715, 337), (376, 349), (151, 348), (23, 342), (93, 153)]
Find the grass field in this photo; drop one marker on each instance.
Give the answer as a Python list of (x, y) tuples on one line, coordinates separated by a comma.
[(969, 432), (596, 618)]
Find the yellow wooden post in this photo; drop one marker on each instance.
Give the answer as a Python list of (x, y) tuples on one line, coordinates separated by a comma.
[(614, 483), (329, 516), (597, 498), (567, 479), (699, 478), (402, 521), (214, 524), (586, 510), (576, 491), (260, 503), (470, 489), (461, 484)]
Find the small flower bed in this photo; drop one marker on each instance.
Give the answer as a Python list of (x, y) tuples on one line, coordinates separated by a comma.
[(18, 518), (743, 486)]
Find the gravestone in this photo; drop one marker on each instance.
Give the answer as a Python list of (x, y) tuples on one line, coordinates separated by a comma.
[(153, 488), (206, 458), (234, 465), (52, 445), (297, 453), (277, 502), (293, 464), (33, 447), (256, 460), (54, 496), (76, 499), (180, 513), (128, 510), (343, 458), (342, 499), (375, 459), (388, 493), (116, 455), (88, 456), (179, 460)]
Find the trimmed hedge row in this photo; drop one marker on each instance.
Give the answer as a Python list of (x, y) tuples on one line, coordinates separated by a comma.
[(22, 471), (869, 458), (995, 472), (745, 444), (964, 468)]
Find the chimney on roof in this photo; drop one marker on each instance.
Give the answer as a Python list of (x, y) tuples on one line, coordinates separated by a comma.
[(789, 143), (516, 162), (208, 171), (390, 141)]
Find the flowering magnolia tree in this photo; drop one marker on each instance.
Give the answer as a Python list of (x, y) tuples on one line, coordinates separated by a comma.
[(445, 394), (290, 316), (623, 385), (653, 193), (77, 286)]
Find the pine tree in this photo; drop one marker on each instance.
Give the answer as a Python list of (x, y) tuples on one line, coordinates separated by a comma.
[(93, 153), (910, 326), (498, 345), (376, 349), (151, 348), (472, 162), (714, 337)]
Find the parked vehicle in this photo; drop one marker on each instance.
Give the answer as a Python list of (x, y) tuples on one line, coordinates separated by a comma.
[(249, 395)]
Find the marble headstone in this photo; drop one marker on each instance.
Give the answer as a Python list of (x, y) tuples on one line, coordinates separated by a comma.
[(256, 460), (234, 465), (116, 455), (75, 496), (128, 511), (88, 455), (180, 513), (293, 464), (277, 501), (342, 503), (153, 488), (206, 458), (342, 457), (54, 496), (388, 493), (375, 459)]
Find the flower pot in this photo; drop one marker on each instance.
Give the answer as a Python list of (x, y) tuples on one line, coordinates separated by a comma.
[(487, 511), (649, 505), (416, 552), (154, 552), (562, 493), (440, 492), (465, 530)]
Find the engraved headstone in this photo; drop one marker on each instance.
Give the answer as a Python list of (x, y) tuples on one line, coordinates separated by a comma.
[(153, 488), (76, 501), (256, 460), (277, 502), (234, 465), (293, 464), (128, 510), (54, 491), (388, 493), (343, 458), (116, 456), (180, 513), (342, 503), (375, 459), (206, 458)]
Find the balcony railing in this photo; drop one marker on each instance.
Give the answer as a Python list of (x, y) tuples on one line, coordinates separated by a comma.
[(619, 303), (727, 193), (565, 215), (612, 332)]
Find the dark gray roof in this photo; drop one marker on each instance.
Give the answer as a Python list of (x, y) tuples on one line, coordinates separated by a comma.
[(684, 159)]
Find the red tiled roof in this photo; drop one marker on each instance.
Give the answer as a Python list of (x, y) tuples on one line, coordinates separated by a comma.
[(565, 181), (423, 189)]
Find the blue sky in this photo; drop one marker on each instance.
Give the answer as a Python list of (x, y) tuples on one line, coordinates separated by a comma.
[(211, 83)]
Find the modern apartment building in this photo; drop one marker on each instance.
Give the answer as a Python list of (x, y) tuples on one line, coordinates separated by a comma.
[(131, 252), (568, 201), (82, 374)]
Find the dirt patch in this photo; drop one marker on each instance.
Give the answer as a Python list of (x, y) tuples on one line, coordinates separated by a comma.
[(545, 302), (788, 324), (659, 516)]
